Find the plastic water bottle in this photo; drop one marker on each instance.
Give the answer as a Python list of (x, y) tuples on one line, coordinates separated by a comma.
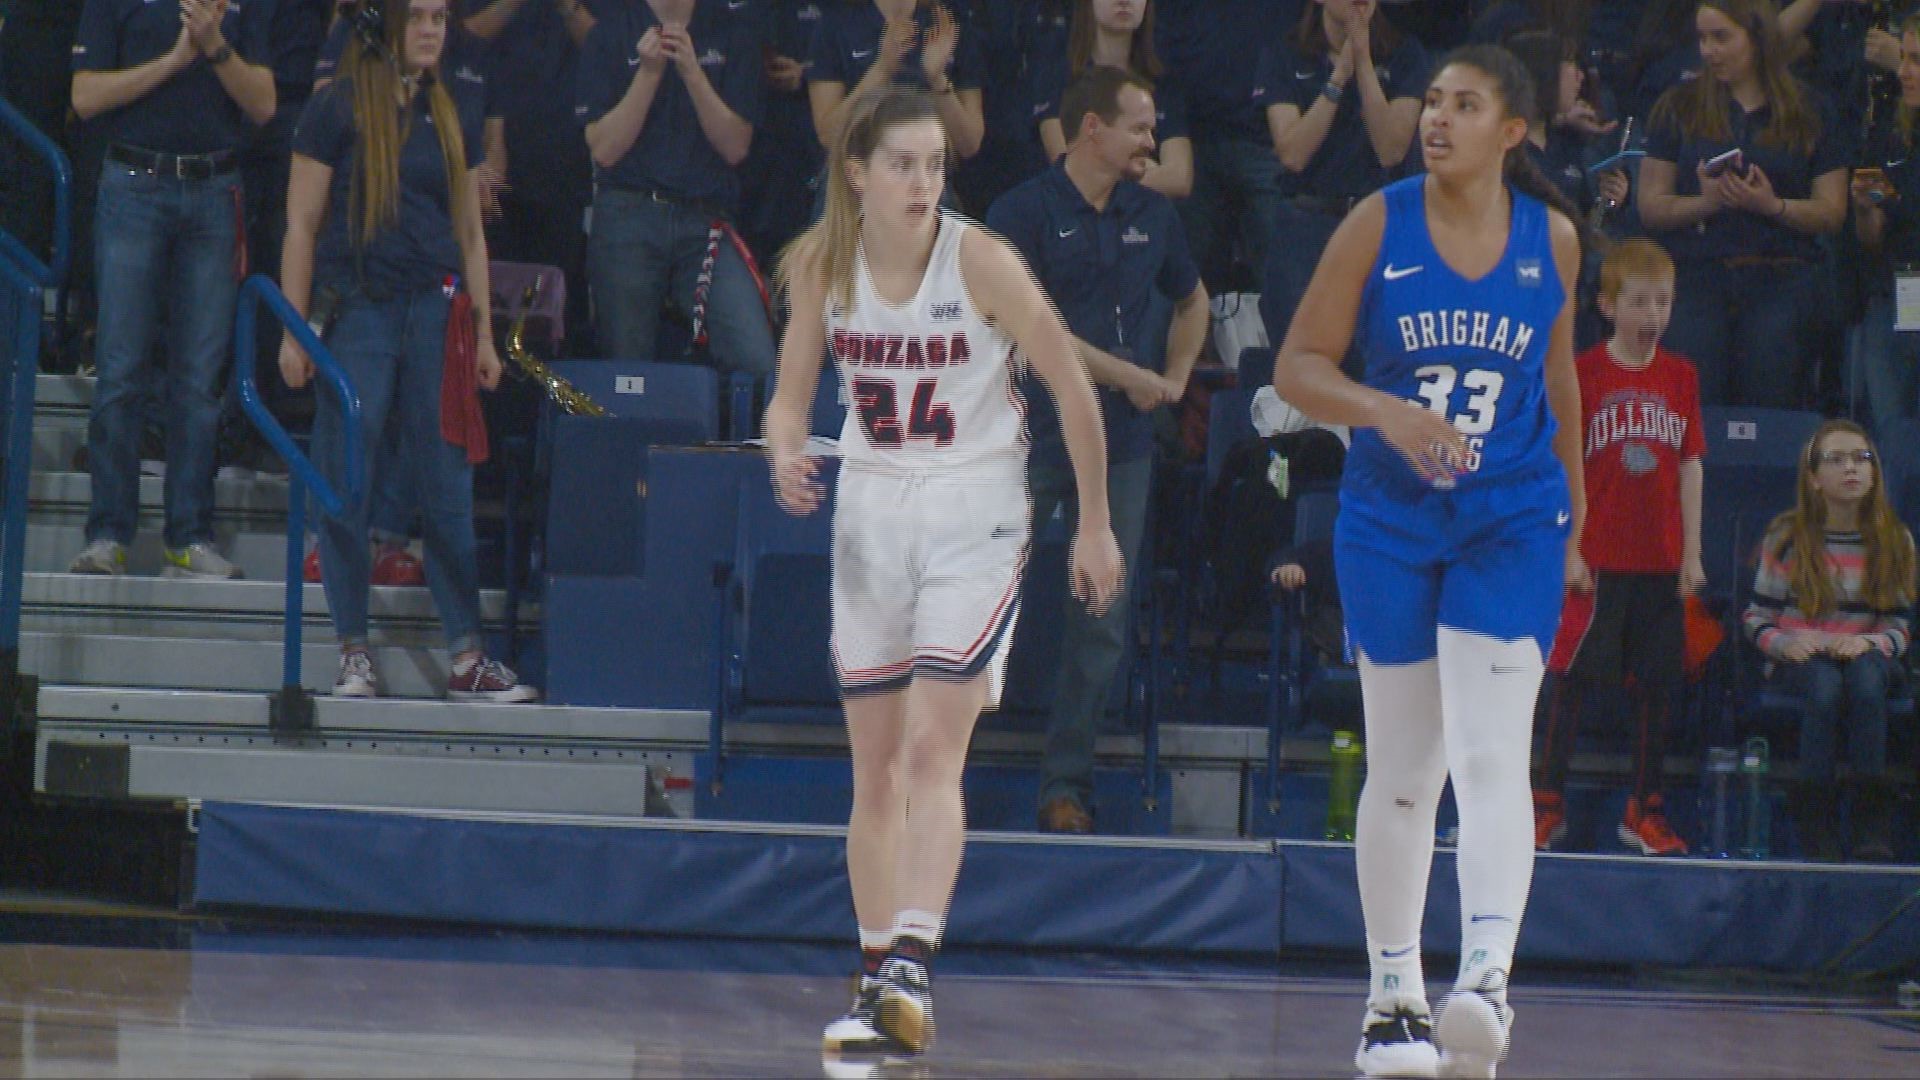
[(1722, 763), (1343, 791), (1756, 842)]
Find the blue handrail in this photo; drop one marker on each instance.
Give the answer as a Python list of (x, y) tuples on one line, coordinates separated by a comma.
[(301, 474), (28, 277), (46, 274)]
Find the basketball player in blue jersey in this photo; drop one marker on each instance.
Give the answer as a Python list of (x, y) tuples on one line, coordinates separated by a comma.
[(1460, 514)]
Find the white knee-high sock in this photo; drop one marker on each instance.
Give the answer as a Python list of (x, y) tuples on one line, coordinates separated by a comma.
[(1487, 692), (1393, 830)]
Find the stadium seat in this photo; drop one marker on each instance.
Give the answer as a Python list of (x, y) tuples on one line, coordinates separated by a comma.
[(1295, 677), (1751, 469), (595, 516)]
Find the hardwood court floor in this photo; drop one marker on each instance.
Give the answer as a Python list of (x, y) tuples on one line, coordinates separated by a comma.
[(284, 1003)]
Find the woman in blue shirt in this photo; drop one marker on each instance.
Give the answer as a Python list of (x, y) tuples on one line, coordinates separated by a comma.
[(1886, 221), (867, 44), (383, 213), (1745, 171)]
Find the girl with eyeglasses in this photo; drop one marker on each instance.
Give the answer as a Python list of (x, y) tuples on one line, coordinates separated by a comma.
[(1834, 627)]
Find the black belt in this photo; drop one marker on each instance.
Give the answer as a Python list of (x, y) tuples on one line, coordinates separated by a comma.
[(699, 206), (1333, 206), (179, 166)]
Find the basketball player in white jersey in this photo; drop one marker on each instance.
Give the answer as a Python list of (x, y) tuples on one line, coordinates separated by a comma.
[(923, 312)]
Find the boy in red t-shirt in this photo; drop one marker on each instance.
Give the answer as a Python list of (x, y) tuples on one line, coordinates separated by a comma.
[(1624, 615)]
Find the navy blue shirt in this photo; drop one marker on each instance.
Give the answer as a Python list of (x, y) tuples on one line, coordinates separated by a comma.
[(1564, 161), (1345, 166), (1213, 47), (1102, 268), (464, 61), (1900, 241), (1050, 79), (672, 155), (848, 40), (1736, 232), (190, 113), (419, 249), (531, 76)]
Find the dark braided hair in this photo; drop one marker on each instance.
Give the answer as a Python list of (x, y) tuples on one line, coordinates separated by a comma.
[(1517, 95)]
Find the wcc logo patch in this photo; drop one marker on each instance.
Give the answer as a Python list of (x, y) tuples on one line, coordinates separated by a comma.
[(1529, 272), (948, 312)]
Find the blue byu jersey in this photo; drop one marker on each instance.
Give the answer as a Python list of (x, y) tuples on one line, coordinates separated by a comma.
[(1473, 351)]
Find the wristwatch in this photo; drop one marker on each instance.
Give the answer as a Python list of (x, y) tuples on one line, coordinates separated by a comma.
[(222, 55)]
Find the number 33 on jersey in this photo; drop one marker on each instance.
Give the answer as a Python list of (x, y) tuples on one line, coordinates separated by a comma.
[(1471, 350)]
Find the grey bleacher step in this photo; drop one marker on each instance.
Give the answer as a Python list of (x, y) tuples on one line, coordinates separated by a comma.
[(55, 490), (253, 610), (191, 663), (57, 392), (259, 549), (62, 703)]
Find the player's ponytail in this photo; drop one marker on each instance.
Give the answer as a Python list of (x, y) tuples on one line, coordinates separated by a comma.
[(829, 247), (1517, 95)]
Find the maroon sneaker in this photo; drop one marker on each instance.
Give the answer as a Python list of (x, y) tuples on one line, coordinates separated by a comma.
[(397, 566), (488, 680)]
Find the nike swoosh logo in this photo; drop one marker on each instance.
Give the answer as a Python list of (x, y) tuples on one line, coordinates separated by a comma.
[(1562, 518), (1395, 954), (1064, 233), (736, 5), (1392, 274), (633, 61), (857, 55)]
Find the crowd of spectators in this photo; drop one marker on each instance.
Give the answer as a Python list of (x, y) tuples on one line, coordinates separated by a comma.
[(660, 152)]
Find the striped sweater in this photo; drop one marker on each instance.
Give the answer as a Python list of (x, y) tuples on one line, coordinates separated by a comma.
[(1772, 614)]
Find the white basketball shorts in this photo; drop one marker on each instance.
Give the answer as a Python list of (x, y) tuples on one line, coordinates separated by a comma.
[(926, 576)]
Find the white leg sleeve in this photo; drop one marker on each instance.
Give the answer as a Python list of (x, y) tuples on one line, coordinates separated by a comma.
[(1487, 693), (1393, 831)]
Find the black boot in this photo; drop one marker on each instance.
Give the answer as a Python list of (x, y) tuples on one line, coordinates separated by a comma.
[(1872, 820), (1813, 810)]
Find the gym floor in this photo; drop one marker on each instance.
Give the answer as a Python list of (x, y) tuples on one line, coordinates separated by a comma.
[(98, 992)]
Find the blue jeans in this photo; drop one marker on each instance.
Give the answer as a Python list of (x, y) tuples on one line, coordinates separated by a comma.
[(1747, 329), (1852, 693), (394, 352), (641, 252), (1886, 367), (161, 244), (1091, 646), (1236, 192)]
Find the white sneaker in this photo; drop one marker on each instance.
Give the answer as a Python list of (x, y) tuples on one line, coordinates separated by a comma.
[(356, 679), (198, 561), (1397, 1040), (1475, 1028), (100, 557)]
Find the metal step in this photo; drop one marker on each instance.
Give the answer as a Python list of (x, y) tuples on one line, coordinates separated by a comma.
[(119, 708), (419, 754), (206, 664), (228, 610)]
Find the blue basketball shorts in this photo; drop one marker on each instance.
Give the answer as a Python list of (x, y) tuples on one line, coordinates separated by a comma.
[(1487, 559)]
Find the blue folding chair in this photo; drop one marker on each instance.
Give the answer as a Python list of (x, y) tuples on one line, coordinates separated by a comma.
[(595, 516), (775, 620), (1294, 675)]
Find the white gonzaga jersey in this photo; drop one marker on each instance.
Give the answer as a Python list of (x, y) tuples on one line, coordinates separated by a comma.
[(929, 383)]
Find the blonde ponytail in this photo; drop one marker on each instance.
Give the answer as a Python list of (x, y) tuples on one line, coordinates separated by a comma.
[(827, 250)]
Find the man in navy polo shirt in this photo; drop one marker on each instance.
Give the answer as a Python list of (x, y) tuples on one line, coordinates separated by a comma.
[(172, 82), (1111, 254), (669, 93)]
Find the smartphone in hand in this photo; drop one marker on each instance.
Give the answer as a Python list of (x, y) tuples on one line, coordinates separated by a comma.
[(1874, 179), (1733, 159)]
